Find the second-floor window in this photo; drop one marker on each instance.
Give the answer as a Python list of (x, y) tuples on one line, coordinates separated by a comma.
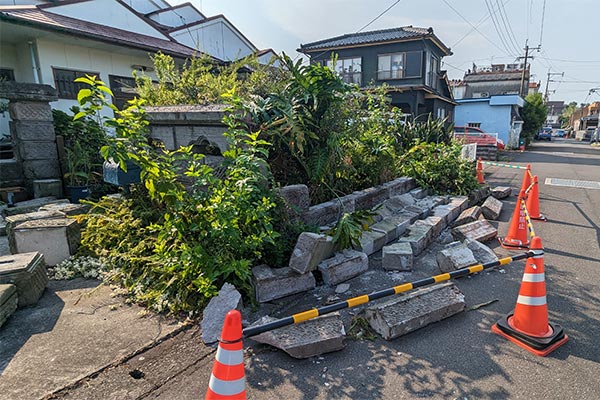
[(349, 69), (390, 66)]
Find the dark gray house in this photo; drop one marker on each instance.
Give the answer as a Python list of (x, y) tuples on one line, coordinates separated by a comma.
[(406, 59)]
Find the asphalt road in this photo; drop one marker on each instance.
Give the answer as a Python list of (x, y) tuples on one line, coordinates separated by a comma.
[(458, 358)]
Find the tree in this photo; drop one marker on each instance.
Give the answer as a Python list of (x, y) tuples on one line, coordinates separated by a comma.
[(565, 116), (534, 115)]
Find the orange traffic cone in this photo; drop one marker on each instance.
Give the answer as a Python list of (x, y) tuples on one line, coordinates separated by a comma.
[(533, 201), (518, 235), (227, 380), (526, 178), (480, 178), (527, 326)]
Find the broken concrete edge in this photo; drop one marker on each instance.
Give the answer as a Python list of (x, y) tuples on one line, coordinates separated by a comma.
[(121, 360)]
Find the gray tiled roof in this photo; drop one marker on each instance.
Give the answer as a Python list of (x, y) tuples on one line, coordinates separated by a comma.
[(44, 19), (384, 35)]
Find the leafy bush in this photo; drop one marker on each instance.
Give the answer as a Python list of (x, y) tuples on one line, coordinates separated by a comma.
[(438, 167)]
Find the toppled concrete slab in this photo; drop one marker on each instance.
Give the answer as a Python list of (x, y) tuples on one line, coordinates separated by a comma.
[(307, 339), (8, 301), (478, 195), (214, 313), (501, 192), (469, 215), (2, 226), (14, 220), (274, 283), (443, 211), (480, 230), (437, 224), (57, 239), (404, 314), (388, 227), (27, 271), (419, 237), (372, 241), (394, 204), (399, 185), (67, 209), (455, 256), (343, 266), (397, 257), (481, 252), (422, 210), (32, 205), (491, 208), (371, 197), (460, 204), (311, 249)]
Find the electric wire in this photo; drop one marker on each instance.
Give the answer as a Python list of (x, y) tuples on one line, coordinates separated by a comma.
[(507, 25), (497, 28), (542, 27), (481, 21)]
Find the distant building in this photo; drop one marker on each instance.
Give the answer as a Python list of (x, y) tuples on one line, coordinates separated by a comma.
[(555, 109), (497, 79), (459, 88), (407, 59), (534, 87), (494, 114), (585, 117)]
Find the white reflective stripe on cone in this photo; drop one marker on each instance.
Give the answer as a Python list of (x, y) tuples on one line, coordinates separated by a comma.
[(227, 388), (229, 357), (532, 301), (534, 277)]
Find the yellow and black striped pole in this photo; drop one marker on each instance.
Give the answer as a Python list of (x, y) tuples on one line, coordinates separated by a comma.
[(527, 219), (503, 165), (356, 301)]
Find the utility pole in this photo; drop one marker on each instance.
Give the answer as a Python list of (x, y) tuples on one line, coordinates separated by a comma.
[(548, 81), (525, 68)]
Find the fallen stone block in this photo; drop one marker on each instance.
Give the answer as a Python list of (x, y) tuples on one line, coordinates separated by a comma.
[(32, 205), (27, 271), (8, 302), (459, 202), (311, 249), (372, 241), (501, 192), (402, 223), (17, 219), (404, 314), (400, 185), (394, 204), (214, 313), (388, 227), (478, 195), (296, 198), (343, 266), (307, 339), (443, 211), (469, 215), (420, 210), (437, 225), (481, 252), (57, 239), (397, 257), (419, 193), (419, 237), (491, 208), (274, 283), (67, 209), (322, 214), (410, 215), (455, 256), (480, 230)]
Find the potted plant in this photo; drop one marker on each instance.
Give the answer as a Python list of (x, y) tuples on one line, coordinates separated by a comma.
[(79, 172)]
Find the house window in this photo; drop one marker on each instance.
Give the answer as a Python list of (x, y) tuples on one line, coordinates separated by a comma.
[(390, 66), (441, 113), (123, 88), (6, 75), (64, 82), (349, 69), (433, 70), (474, 125)]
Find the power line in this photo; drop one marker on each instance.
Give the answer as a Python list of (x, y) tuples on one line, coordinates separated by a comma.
[(542, 28), (481, 21), (379, 16), (497, 27), (509, 31), (571, 61), (474, 27)]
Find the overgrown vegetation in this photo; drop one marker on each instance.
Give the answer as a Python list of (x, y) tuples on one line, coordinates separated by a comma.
[(174, 239), (534, 115)]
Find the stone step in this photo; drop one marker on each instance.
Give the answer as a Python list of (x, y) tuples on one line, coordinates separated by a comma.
[(27, 272), (406, 313), (307, 339), (274, 283)]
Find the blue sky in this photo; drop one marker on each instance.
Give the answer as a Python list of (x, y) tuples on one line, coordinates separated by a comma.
[(570, 38)]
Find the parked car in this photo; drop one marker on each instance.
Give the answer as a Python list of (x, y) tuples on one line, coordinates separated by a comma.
[(559, 133), (589, 133), (544, 134), (469, 135)]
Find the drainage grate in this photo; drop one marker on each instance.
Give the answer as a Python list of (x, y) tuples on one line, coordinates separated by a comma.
[(572, 183)]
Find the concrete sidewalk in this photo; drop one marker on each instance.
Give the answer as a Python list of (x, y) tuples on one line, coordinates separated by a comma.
[(78, 328)]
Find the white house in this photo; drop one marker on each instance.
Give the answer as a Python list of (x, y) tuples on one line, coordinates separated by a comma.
[(53, 42)]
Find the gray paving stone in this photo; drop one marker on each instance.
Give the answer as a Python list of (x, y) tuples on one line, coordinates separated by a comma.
[(68, 209), (501, 192), (480, 230), (491, 208), (32, 205), (388, 227), (481, 252), (419, 237), (419, 193), (462, 202), (322, 214), (8, 301), (443, 211), (410, 215), (397, 257), (437, 225), (373, 241), (402, 223), (469, 215), (478, 195), (274, 283), (214, 313), (310, 250), (371, 197), (404, 314), (343, 266), (307, 339), (27, 271), (422, 211), (455, 256)]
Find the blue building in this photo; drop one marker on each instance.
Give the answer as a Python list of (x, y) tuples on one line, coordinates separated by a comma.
[(495, 114)]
